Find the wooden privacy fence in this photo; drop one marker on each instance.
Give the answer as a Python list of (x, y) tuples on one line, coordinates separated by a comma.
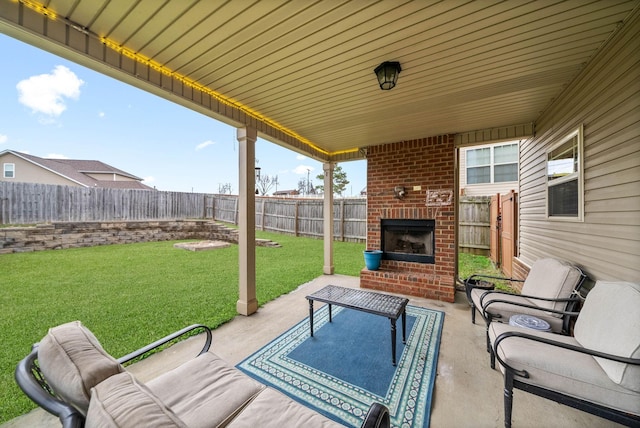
[(28, 203), (474, 227)]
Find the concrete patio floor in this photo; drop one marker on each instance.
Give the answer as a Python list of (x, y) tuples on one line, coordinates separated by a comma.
[(467, 392)]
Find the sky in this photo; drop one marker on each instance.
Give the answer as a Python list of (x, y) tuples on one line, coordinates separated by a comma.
[(54, 108)]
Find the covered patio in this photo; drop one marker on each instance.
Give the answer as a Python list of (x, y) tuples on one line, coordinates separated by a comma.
[(467, 392), (302, 76)]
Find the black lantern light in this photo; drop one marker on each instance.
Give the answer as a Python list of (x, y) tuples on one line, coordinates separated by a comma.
[(387, 74), (257, 179)]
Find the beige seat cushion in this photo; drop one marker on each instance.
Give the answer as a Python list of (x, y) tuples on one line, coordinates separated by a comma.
[(121, 401), (272, 409), (551, 279), (610, 322), (557, 369), (73, 361), (205, 391)]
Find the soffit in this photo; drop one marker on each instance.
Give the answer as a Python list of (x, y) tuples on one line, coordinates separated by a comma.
[(308, 66)]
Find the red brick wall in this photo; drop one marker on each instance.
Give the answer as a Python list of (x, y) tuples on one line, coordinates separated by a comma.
[(427, 163)]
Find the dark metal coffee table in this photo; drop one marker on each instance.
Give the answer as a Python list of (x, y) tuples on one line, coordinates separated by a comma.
[(367, 301)]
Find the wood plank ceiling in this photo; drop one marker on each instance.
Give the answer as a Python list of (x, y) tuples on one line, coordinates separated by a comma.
[(307, 66)]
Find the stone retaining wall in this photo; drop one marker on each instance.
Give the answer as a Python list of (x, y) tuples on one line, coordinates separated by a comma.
[(60, 235)]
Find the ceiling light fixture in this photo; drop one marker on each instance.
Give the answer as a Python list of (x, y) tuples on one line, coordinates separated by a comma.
[(387, 74)]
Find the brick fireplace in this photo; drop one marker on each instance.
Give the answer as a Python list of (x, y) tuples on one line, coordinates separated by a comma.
[(412, 180)]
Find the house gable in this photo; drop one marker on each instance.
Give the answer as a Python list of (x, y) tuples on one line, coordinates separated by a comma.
[(68, 172)]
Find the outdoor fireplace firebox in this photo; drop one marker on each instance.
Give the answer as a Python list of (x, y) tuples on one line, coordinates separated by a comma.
[(408, 240)]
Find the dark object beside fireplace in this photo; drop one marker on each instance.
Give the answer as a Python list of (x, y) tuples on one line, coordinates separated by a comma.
[(408, 240)]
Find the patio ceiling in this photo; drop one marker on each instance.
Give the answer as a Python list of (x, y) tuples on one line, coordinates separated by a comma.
[(301, 71)]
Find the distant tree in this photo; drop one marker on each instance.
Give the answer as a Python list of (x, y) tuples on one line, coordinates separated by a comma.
[(264, 183), (225, 188), (339, 181)]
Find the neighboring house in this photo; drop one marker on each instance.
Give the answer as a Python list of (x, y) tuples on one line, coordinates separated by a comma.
[(22, 167), (293, 192), (489, 169)]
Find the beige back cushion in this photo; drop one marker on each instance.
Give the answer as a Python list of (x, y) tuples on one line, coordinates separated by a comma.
[(72, 361), (610, 322), (552, 279), (121, 401)]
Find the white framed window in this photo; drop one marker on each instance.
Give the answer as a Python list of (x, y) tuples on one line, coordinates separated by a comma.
[(565, 178), (492, 164), (9, 170)]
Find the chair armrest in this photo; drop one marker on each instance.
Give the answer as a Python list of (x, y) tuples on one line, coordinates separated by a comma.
[(160, 342), (574, 298), (377, 417), (540, 339), (31, 381)]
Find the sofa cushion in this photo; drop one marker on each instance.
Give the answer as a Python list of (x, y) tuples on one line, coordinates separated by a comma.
[(557, 369), (73, 361), (552, 279), (272, 409), (610, 322), (205, 391), (121, 401)]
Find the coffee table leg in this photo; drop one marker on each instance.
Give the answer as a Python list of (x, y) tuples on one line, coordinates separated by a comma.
[(311, 316), (393, 341), (329, 312), (404, 326)]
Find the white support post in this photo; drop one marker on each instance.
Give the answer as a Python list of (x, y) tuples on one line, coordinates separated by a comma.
[(247, 303), (328, 268)]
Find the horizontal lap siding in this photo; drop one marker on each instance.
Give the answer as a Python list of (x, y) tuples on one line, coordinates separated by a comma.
[(605, 98)]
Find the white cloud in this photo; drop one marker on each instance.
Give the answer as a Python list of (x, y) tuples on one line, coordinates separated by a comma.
[(303, 169), (148, 180), (205, 144), (301, 157), (47, 93), (3, 138), (101, 114), (55, 156)]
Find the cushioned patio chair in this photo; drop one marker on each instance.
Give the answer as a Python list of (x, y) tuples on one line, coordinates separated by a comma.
[(597, 370), (550, 293), (69, 374)]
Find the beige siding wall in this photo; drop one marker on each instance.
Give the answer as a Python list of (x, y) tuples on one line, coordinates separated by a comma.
[(110, 177), (605, 99), (27, 172)]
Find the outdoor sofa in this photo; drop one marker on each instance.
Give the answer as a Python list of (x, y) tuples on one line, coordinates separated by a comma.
[(70, 375), (596, 370)]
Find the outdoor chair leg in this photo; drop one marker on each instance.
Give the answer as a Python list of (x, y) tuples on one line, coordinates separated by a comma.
[(473, 313), (508, 397)]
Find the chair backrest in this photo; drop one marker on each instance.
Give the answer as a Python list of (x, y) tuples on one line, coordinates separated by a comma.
[(552, 279), (609, 322), (73, 361)]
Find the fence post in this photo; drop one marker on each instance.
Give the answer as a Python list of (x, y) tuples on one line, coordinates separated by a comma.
[(342, 220), (295, 219)]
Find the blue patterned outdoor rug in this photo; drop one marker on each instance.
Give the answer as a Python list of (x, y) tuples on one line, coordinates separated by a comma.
[(346, 365)]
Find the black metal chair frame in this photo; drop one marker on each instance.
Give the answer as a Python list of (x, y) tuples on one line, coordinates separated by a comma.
[(569, 313), (512, 375), (35, 386)]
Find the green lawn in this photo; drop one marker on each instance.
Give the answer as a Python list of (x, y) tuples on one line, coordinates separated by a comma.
[(130, 295)]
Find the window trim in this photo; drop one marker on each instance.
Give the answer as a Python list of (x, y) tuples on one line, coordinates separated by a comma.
[(578, 175), (5, 170)]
